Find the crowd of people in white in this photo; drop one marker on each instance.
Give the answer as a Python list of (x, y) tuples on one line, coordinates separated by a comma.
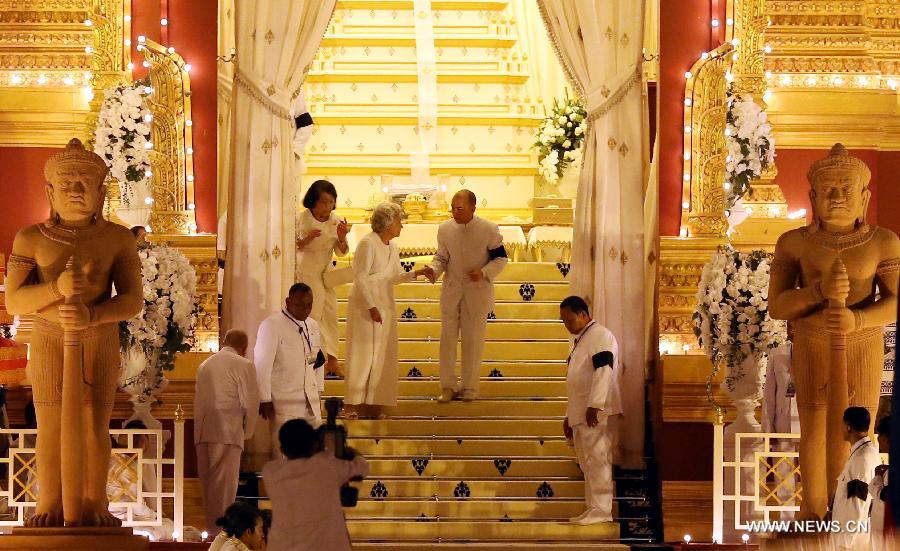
[(296, 346)]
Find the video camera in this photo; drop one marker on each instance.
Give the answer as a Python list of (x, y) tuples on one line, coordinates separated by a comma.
[(334, 437)]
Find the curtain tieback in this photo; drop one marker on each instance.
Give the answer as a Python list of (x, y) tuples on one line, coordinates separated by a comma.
[(276, 100), (599, 101)]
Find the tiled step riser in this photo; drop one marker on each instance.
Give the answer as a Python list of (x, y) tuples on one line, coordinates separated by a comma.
[(509, 350), (502, 310), (425, 447), (496, 330), (487, 389), (434, 530), (386, 488), (479, 408), (489, 369), (514, 272), (484, 468), (460, 428), (507, 292), (523, 510)]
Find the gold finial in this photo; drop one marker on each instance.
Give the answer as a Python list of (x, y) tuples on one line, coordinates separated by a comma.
[(179, 414), (839, 157), (75, 153)]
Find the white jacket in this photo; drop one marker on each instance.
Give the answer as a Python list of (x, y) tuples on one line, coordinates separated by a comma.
[(851, 497), (466, 247), (285, 353), (226, 399), (592, 376)]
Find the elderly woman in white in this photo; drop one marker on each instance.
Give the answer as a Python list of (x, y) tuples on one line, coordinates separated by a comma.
[(372, 319)]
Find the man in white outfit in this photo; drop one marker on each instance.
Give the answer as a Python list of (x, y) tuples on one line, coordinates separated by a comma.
[(594, 406), (287, 358), (226, 401), (851, 501), (470, 255)]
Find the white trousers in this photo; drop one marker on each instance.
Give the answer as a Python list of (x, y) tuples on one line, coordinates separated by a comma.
[(464, 312), (593, 449), (219, 466)]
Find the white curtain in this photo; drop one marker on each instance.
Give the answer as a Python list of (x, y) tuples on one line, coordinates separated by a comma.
[(276, 41), (599, 43), (546, 79), (224, 81)]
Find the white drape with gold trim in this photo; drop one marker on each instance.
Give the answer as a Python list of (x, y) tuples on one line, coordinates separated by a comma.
[(276, 41), (599, 43)]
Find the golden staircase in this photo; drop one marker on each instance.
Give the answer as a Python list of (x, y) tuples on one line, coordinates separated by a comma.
[(492, 473)]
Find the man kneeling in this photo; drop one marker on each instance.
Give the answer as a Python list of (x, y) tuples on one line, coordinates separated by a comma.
[(304, 489)]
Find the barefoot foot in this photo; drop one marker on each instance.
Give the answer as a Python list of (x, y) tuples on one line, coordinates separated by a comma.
[(45, 516), (97, 514)]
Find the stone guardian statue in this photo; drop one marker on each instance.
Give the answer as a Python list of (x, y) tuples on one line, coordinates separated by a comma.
[(62, 272), (835, 281)]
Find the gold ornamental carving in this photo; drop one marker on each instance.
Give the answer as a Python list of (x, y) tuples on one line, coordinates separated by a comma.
[(705, 140), (173, 190), (746, 35)]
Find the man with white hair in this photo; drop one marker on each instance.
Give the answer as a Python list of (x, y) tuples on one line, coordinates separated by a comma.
[(226, 401), (470, 255)]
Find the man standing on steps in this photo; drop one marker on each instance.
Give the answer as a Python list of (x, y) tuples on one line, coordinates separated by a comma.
[(594, 406), (470, 255)]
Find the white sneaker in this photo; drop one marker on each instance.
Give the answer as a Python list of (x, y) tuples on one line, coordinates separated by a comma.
[(447, 394), (593, 516), (467, 395)]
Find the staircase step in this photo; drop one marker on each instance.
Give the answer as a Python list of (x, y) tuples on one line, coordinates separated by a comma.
[(496, 329), (514, 272), (514, 545), (431, 310), (452, 508), (478, 408), (540, 388), (554, 291), (500, 369), (505, 350), (391, 487), (496, 447), (471, 467), (454, 427), (479, 530)]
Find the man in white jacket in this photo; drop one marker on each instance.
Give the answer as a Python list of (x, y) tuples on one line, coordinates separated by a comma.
[(594, 406), (470, 255), (226, 401), (287, 357), (851, 502)]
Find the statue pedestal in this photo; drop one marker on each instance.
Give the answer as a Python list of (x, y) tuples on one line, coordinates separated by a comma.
[(73, 539)]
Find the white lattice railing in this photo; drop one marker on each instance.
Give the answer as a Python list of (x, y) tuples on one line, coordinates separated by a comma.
[(775, 487), (139, 501)]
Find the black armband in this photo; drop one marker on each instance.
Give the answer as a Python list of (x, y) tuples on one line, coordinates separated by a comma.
[(857, 489), (303, 120), (320, 360), (602, 359), (499, 252)]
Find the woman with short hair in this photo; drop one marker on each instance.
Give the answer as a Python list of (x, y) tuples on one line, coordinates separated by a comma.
[(242, 529), (320, 234), (372, 318)]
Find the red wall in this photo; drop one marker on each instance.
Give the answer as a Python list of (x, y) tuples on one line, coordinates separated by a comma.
[(22, 197)]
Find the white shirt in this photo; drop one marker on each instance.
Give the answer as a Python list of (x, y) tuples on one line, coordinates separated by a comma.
[(466, 247), (875, 487), (860, 467), (306, 504), (592, 374), (226, 399), (285, 353)]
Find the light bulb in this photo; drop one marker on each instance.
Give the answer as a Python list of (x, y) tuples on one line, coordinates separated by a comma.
[(189, 122), (146, 64), (811, 81), (838, 81), (148, 89), (729, 21), (127, 42), (193, 227), (714, 23), (745, 538), (192, 206), (683, 232), (749, 210), (384, 189), (704, 55), (148, 201), (148, 145), (892, 84), (727, 187), (127, 18), (863, 81), (686, 177), (688, 74), (728, 76), (767, 49), (190, 178), (767, 96), (768, 75), (187, 67), (171, 50), (42, 79), (148, 229), (204, 534), (88, 22), (130, 66), (190, 150), (148, 117), (88, 49), (685, 348), (728, 132), (687, 538), (142, 39), (68, 81), (687, 129), (148, 173), (735, 42), (687, 156), (16, 79), (163, 21), (688, 102), (685, 205), (785, 80)]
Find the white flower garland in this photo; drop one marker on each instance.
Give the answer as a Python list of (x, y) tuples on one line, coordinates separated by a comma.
[(165, 326), (121, 139), (749, 143), (731, 319), (559, 139)]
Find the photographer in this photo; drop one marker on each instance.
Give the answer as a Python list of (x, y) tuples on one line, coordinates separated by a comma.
[(305, 491)]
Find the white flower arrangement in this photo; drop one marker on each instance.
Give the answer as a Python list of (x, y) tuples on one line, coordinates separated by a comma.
[(150, 340), (122, 139), (731, 319), (560, 137), (749, 143)]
